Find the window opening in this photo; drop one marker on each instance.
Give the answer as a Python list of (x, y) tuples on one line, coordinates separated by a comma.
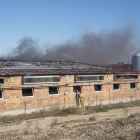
[(98, 87), (53, 90), (27, 92), (84, 78), (116, 86), (126, 76), (41, 79), (132, 85), (1, 80), (75, 88), (1, 94)]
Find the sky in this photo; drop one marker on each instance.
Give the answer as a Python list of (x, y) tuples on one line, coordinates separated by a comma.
[(53, 22)]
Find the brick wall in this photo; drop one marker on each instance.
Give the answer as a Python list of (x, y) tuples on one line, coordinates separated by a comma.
[(12, 80), (13, 100)]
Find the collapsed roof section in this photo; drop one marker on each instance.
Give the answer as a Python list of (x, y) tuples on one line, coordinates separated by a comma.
[(46, 65), (11, 67)]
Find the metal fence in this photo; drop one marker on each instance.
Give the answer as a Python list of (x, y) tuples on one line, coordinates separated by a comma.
[(107, 97)]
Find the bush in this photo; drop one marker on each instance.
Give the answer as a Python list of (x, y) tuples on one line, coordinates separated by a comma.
[(92, 118)]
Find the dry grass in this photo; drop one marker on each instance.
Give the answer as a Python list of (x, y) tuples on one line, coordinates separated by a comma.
[(113, 129), (37, 127), (120, 105), (137, 134), (125, 112), (28, 125), (93, 118), (53, 123), (56, 111)]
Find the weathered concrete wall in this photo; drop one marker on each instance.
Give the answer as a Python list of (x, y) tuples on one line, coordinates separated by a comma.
[(14, 103)]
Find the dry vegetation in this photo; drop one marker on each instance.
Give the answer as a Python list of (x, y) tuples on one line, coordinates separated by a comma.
[(56, 111), (118, 129)]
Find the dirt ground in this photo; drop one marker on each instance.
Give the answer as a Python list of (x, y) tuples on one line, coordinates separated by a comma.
[(101, 125), (46, 122)]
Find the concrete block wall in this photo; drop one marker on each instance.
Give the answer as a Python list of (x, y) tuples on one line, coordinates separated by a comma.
[(14, 103)]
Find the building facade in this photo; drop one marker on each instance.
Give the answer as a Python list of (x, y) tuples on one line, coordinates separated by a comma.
[(28, 90)]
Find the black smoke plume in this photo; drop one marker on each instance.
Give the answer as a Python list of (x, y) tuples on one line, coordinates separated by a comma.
[(102, 48)]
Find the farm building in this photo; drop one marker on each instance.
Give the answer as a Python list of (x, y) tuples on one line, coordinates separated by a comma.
[(27, 86)]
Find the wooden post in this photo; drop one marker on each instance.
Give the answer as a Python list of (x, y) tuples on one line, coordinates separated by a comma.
[(25, 106), (109, 95), (96, 100), (64, 101), (135, 94), (38, 103), (77, 104)]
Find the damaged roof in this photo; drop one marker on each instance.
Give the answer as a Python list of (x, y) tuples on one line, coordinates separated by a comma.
[(120, 66), (11, 64), (11, 67), (56, 71)]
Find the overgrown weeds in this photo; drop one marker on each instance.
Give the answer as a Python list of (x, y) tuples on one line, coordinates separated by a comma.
[(120, 138), (125, 111), (121, 122), (137, 134), (113, 129), (92, 118), (53, 123), (120, 105), (127, 120), (55, 111), (37, 127), (28, 125)]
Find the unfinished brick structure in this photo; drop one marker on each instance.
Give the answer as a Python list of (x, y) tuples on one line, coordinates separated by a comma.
[(23, 90)]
